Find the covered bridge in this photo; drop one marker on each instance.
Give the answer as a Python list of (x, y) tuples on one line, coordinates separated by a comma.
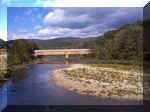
[(65, 52)]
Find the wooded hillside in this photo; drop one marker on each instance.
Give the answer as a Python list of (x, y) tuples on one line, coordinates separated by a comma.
[(124, 43)]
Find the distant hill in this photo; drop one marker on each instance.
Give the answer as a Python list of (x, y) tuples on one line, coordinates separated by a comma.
[(62, 43)]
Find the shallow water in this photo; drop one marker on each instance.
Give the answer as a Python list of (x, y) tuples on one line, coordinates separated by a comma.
[(3, 97)]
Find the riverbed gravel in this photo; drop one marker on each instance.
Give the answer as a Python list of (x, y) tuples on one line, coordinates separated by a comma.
[(101, 82)]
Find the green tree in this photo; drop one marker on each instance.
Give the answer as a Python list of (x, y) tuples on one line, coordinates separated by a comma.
[(20, 52), (3, 44), (122, 44)]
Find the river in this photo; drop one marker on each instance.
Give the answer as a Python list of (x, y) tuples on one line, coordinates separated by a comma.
[(39, 89)]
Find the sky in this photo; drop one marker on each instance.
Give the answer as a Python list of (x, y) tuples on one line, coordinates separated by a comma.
[(40, 19), (48, 23)]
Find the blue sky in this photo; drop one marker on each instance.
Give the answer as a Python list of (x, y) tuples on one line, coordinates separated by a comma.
[(38, 20), (48, 23), (22, 21)]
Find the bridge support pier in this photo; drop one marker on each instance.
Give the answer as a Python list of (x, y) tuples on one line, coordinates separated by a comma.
[(67, 56)]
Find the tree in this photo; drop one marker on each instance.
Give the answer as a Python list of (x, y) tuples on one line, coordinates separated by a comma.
[(3, 44), (122, 44), (20, 52)]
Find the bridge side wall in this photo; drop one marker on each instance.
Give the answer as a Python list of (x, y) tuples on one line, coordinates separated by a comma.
[(62, 53)]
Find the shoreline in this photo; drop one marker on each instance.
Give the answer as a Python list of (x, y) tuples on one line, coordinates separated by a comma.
[(18, 69), (92, 87)]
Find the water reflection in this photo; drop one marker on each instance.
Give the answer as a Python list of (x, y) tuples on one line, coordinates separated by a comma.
[(71, 60), (3, 97)]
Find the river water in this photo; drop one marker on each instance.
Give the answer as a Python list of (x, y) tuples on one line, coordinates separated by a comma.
[(39, 89)]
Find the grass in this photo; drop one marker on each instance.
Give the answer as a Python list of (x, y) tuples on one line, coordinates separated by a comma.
[(119, 66), (104, 76)]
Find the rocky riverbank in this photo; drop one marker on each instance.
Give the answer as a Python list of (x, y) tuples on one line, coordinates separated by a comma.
[(101, 81)]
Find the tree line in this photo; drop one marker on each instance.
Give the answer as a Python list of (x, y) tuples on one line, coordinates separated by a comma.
[(21, 52)]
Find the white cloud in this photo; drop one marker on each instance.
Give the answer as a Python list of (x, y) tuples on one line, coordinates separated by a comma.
[(63, 32), (86, 22), (53, 31), (52, 37), (37, 27), (14, 36), (22, 30), (59, 16), (54, 17), (43, 32)]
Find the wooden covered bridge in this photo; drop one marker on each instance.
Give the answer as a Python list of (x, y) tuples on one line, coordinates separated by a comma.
[(65, 52)]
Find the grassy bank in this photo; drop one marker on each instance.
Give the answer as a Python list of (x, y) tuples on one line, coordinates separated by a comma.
[(119, 66), (15, 72), (3, 67)]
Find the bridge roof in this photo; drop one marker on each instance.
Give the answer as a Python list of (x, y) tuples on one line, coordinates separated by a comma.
[(61, 50)]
